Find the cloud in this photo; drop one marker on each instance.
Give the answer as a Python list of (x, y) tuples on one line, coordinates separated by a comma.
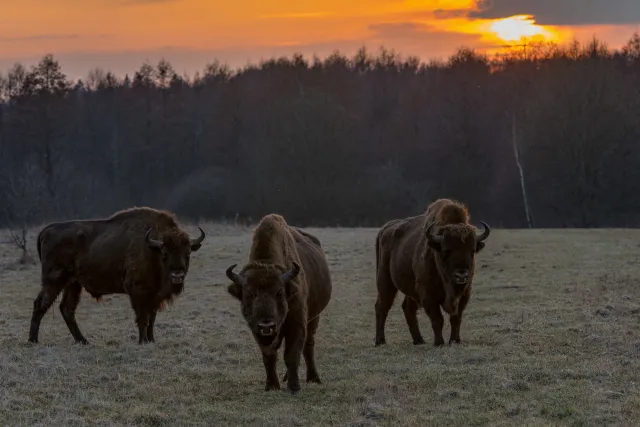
[(420, 39), (295, 15), (138, 2), (396, 30), (39, 37), (563, 12), (50, 37)]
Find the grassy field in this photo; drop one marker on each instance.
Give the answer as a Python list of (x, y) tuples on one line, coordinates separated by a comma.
[(550, 337)]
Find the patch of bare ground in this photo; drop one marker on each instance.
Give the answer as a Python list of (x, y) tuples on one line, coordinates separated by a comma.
[(550, 337)]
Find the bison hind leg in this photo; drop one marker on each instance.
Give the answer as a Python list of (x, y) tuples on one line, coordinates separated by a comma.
[(45, 299), (68, 306), (386, 295)]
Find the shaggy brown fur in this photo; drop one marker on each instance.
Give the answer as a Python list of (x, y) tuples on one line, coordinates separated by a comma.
[(141, 252), (283, 289), (430, 258)]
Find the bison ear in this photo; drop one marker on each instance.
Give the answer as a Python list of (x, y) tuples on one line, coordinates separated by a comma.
[(235, 290), (479, 246), (291, 288), (436, 246)]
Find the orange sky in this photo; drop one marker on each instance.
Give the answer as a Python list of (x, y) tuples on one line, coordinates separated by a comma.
[(121, 34)]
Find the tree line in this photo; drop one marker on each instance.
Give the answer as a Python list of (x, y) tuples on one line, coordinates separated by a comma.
[(542, 135)]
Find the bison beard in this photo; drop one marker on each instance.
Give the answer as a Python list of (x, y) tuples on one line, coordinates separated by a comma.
[(115, 255), (431, 259), (281, 304)]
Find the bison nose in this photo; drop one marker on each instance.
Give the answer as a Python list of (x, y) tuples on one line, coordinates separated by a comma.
[(267, 327), (177, 276), (461, 276)]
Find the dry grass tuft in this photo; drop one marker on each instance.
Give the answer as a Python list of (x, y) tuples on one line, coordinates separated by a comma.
[(551, 337)]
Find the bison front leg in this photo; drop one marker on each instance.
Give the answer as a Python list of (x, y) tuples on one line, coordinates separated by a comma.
[(410, 308), (456, 320), (143, 315), (437, 321), (292, 352), (152, 321), (308, 352), (269, 359)]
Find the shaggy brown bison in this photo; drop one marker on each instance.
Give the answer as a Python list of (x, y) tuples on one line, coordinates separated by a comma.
[(430, 258), (116, 255), (283, 289)]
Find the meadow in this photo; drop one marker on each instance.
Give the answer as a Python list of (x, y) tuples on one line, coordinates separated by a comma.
[(551, 337)]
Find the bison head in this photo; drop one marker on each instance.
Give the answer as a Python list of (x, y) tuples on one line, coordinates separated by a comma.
[(456, 248), (175, 251), (264, 292)]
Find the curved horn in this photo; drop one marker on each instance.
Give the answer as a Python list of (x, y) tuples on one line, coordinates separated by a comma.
[(291, 274), (485, 233), (198, 241), (234, 277), (434, 238), (151, 242)]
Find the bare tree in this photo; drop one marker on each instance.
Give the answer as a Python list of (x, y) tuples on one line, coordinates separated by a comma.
[(24, 191)]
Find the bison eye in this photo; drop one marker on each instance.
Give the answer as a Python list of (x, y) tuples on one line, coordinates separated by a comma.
[(281, 294)]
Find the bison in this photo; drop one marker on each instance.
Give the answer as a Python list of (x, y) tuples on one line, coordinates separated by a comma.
[(430, 258), (115, 255), (282, 290)]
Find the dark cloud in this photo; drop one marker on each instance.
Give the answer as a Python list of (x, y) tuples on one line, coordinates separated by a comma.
[(563, 12), (450, 13)]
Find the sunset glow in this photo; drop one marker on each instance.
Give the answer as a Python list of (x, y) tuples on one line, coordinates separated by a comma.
[(121, 35), (515, 28)]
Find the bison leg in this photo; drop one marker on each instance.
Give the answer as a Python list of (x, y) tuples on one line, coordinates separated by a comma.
[(47, 295), (152, 321), (410, 308), (68, 306), (269, 360), (143, 315), (308, 352), (437, 321), (456, 320), (292, 351), (386, 295)]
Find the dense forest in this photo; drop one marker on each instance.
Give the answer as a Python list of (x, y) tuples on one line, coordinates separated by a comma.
[(541, 135)]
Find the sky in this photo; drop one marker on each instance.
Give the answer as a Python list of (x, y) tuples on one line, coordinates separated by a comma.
[(120, 35)]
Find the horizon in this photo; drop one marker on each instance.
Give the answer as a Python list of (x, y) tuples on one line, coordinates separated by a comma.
[(190, 34)]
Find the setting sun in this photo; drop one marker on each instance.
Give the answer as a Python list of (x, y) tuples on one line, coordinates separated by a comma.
[(514, 28)]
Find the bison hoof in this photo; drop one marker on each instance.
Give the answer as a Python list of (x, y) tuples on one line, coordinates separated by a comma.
[(294, 389), (419, 341), (380, 341), (33, 340), (82, 341), (456, 341), (438, 343), (272, 386), (314, 379)]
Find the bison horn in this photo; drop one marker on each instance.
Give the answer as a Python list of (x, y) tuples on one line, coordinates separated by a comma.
[(434, 238), (234, 277), (485, 233), (198, 241), (151, 242), (291, 274)]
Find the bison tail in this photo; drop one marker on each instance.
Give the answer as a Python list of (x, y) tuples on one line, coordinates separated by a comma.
[(377, 251), (39, 245)]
